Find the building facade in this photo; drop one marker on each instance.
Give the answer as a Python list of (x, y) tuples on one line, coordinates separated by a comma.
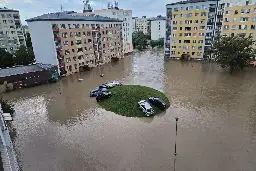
[(190, 28), (239, 18), (127, 25), (142, 24), (11, 34), (73, 42), (158, 26)]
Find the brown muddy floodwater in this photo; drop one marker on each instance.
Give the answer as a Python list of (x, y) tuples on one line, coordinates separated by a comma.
[(60, 128)]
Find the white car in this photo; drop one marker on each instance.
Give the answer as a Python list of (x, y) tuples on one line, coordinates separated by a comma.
[(146, 108), (113, 84)]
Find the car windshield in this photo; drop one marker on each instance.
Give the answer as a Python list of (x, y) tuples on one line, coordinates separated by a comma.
[(148, 110)]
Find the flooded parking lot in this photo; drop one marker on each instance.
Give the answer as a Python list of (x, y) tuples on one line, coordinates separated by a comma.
[(60, 128)]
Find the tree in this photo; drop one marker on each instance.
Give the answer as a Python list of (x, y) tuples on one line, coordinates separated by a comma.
[(233, 52), (28, 40), (153, 43), (6, 59), (139, 40), (24, 56)]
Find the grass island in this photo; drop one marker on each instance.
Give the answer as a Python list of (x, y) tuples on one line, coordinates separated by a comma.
[(125, 98)]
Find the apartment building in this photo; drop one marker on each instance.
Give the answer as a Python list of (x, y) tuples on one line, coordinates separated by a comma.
[(239, 18), (11, 35), (127, 30), (143, 24), (191, 26), (158, 27), (134, 24), (72, 42)]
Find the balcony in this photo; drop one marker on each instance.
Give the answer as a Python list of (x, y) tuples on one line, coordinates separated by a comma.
[(60, 56), (219, 16), (78, 45), (78, 38), (55, 30), (58, 48), (96, 29), (218, 23), (62, 65), (57, 39)]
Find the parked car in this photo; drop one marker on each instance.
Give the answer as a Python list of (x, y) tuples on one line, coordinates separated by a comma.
[(103, 95), (146, 108), (96, 91), (113, 84), (157, 101), (103, 86)]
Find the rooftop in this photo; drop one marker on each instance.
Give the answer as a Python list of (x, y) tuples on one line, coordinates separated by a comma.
[(158, 18), (23, 69), (4, 9), (71, 16), (190, 1)]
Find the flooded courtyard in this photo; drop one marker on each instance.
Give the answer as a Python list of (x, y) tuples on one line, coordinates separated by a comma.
[(60, 128)]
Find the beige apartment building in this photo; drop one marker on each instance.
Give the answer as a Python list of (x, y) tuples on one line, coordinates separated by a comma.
[(73, 42)]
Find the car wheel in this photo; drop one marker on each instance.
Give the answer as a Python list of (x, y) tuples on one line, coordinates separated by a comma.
[(147, 115)]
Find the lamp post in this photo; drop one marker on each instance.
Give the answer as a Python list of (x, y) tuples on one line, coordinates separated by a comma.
[(175, 147)]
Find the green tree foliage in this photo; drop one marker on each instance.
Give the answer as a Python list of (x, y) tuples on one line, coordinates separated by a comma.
[(28, 40), (6, 106), (233, 52), (157, 43), (24, 56), (139, 40), (6, 59)]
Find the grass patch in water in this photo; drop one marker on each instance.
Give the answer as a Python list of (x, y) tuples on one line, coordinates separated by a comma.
[(125, 98)]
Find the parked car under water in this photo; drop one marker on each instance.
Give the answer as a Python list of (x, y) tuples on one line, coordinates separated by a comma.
[(157, 102), (146, 107), (103, 95), (96, 91)]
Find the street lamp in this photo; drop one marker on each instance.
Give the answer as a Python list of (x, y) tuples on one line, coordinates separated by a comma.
[(175, 147)]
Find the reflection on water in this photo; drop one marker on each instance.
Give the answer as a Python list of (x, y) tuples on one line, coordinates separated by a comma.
[(59, 127)]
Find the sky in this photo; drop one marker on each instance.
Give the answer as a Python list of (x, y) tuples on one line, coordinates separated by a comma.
[(33, 8)]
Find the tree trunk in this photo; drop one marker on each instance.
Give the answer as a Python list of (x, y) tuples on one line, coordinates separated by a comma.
[(231, 68)]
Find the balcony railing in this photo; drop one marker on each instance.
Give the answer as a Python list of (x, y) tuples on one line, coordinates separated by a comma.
[(57, 39), (55, 30), (58, 48)]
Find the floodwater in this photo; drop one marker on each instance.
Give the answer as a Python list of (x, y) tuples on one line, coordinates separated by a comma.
[(60, 128)]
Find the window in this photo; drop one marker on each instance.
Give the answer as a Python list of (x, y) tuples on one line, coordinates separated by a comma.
[(227, 12), (242, 11), (254, 10), (174, 28), (3, 16), (228, 4), (9, 15), (195, 28), (68, 60), (191, 7), (200, 47), (234, 27), (179, 41), (180, 28), (202, 27), (252, 27), (193, 47), (203, 13), (236, 11), (173, 47), (200, 41), (180, 34), (244, 19), (226, 20), (202, 21), (175, 16), (188, 15), (62, 26), (173, 35), (226, 27), (176, 9), (242, 27), (197, 7), (175, 22), (196, 21), (196, 14), (201, 34), (194, 34)]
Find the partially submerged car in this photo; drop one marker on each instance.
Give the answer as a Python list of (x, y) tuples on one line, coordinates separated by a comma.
[(146, 107), (103, 95), (113, 84), (96, 91), (157, 101)]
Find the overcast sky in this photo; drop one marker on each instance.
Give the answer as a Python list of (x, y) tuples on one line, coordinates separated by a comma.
[(32, 8)]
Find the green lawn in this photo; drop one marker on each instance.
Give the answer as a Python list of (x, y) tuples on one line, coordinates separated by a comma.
[(125, 98)]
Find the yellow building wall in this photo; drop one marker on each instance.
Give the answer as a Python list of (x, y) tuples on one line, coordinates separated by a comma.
[(179, 51), (237, 22)]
